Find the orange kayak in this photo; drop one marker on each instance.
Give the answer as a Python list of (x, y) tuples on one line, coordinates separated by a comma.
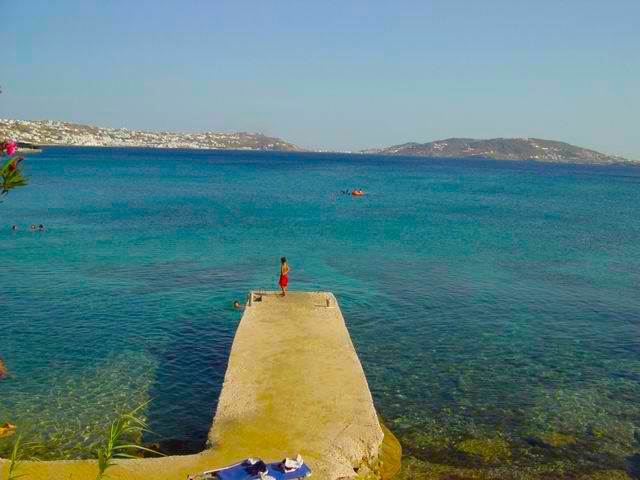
[(357, 193)]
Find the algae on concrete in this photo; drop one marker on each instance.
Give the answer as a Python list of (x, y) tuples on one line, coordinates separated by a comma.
[(388, 463)]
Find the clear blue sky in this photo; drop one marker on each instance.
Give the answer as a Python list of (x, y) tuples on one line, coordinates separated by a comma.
[(331, 74)]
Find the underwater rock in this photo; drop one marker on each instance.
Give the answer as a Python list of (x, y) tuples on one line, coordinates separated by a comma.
[(554, 439), (155, 446), (173, 446), (597, 432), (430, 440), (489, 449), (414, 469), (607, 475)]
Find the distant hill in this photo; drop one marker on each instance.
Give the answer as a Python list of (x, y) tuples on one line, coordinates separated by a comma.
[(47, 132), (503, 149)]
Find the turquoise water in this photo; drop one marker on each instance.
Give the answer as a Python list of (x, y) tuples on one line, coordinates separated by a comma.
[(485, 299)]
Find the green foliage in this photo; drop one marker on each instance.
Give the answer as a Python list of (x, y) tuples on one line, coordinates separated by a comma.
[(11, 176), (118, 440), (15, 460), (19, 454)]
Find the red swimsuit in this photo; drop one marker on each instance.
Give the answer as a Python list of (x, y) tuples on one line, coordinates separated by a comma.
[(284, 280)]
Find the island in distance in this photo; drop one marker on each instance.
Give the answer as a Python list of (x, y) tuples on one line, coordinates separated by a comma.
[(503, 149), (48, 132)]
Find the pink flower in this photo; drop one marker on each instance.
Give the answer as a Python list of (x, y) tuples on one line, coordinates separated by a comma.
[(11, 148)]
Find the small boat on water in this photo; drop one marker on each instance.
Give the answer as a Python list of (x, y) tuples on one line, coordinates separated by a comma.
[(357, 193)]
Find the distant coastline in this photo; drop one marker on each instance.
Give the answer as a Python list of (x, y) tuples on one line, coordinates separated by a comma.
[(50, 133), (516, 149), (54, 133)]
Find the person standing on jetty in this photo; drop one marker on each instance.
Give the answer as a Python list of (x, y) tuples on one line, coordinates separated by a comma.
[(284, 278)]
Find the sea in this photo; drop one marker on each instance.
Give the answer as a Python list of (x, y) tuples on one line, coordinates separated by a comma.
[(495, 305)]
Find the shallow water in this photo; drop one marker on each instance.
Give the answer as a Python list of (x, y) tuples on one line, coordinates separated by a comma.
[(486, 299)]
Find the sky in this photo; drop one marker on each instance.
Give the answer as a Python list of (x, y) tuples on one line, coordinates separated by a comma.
[(339, 75)]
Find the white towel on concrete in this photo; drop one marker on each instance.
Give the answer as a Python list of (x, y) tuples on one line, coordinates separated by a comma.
[(290, 465)]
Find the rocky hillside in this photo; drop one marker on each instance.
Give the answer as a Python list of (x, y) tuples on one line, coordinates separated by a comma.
[(504, 149), (47, 132)]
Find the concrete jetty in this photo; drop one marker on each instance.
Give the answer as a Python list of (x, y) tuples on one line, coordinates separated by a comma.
[(294, 384)]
